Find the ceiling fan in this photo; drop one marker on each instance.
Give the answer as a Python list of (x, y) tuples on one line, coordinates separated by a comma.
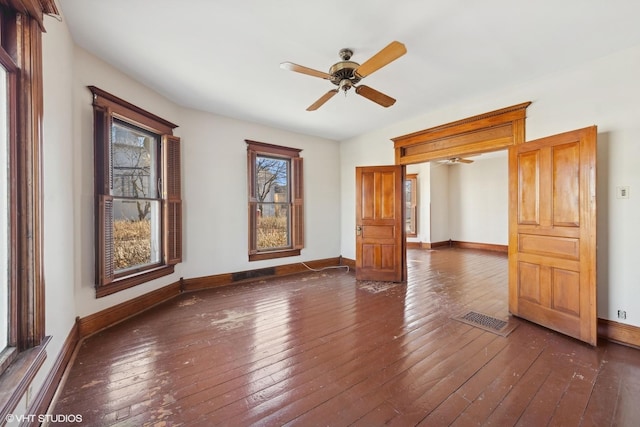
[(456, 160), (346, 74)]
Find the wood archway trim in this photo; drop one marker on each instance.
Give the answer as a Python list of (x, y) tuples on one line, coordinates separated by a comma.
[(483, 133)]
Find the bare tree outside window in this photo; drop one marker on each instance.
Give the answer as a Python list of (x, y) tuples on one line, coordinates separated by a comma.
[(272, 193), (135, 191)]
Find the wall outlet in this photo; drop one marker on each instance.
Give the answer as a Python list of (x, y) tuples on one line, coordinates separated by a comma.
[(622, 314), (622, 192)]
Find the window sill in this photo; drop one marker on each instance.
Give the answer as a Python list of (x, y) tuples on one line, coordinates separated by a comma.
[(273, 255), (15, 381), (133, 280)]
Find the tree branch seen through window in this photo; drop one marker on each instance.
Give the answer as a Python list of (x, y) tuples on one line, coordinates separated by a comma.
[(275, 201)]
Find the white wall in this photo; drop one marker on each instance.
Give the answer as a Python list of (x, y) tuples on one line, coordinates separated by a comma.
[(215, 193), (602, 92), (440, 203), (479, 201)]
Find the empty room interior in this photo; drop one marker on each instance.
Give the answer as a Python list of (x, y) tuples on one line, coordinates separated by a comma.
[(319, 213)]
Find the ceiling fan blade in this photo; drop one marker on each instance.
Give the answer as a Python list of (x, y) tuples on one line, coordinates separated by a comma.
[(375, 96), (324, 98), (391, 52), (461, 160), (304, 70)]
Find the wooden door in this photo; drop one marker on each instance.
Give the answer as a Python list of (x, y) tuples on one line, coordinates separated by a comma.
[(380, 241), (552, 233)]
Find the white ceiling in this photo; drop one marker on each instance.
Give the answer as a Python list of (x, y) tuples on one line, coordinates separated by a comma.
[(223, 56)]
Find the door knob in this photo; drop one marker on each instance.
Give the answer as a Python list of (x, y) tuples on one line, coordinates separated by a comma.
[(358, 230)]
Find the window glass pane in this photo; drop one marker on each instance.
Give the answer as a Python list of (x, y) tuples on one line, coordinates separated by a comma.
[(136, 233), (134, 160), (273, 226), (4, 212), (408, 203), (272, 179)]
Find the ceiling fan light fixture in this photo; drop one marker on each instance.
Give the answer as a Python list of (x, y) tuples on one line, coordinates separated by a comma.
[(345, 85)]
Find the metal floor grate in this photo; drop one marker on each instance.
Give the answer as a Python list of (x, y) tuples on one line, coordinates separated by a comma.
[(488, 323), (484, 320)]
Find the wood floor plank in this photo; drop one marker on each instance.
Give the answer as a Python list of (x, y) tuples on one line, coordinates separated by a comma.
[(321, 348)]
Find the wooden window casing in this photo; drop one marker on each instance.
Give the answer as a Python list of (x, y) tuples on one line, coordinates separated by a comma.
[(108, 107), (21, 27), (295, 200), (411, 211)]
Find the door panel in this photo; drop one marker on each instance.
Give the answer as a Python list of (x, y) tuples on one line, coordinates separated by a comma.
[(552, 220), (380, 247)]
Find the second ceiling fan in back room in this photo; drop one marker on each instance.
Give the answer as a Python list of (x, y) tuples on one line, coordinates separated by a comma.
[(346, 74)]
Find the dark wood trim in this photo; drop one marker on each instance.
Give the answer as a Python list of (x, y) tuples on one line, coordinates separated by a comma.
[(458, 244), (442, 244), (30, 274), (21, 22), (225, 279), (103, 319), (619, 332), (131, 112), (15, 381), (420, 245), (259, 256), (131, 281), (482, 133), (480, 246), (351, 263), (53, 381), (271, 149), (34, 9)]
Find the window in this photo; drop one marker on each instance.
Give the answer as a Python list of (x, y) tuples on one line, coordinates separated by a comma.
[(5, 228), (276, 220), (138, 205), (411, 204), (22, 341)]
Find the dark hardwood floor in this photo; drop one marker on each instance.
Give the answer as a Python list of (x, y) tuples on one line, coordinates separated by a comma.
[(322, 349)]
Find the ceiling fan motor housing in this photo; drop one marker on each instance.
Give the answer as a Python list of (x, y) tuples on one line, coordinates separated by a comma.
[(344, 70)]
